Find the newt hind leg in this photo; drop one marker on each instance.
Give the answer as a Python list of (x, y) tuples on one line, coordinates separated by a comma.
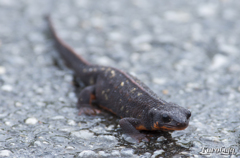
[(85, 99)]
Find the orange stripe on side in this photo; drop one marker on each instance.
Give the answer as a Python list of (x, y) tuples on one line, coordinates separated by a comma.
[(141, 127), (105, 108), (156, 127)]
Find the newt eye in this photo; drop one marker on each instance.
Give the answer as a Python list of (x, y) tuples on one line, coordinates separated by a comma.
[(166, 118)]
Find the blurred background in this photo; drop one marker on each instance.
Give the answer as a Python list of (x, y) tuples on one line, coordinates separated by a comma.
[(188, 52)]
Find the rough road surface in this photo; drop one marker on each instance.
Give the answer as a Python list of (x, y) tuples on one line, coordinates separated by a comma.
[(188, 52)]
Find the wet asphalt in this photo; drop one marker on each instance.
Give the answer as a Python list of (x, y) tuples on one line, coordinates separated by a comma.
[(188, 52)]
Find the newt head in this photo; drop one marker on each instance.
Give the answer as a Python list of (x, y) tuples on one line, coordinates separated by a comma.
[(169, 117)]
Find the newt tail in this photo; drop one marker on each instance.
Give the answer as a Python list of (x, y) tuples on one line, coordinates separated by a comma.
[(121, 94)]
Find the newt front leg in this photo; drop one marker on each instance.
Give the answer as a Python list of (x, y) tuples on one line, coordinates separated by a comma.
[(131, 126)]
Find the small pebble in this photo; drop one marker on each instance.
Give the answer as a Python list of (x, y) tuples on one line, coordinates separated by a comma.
[(67, 129), (68, 78), (5, 153), (135, 57), (218, 61), (45, 142), (98, 129), (107, 138), (165, 91), (7, 88), (115, 153), (160, 139), (72, 95), (197, 144), (37, 143), (192, 85), (109, 128), (156, 153), (8, 123), (41, 104), (69, 148), (87, 154), (127, 152), (38, 90), (61, 99), (58, 117), (38, 49), (159, 81), (84, 134), (103, 154), (71, 122), (18, 104), (3, 115), (146, 155), (184, 153), (211, 139), (31, 121), (207, 10), (2, 70), (103, 60)]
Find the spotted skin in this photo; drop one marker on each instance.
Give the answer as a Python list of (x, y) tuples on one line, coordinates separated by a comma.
[(123, 95)]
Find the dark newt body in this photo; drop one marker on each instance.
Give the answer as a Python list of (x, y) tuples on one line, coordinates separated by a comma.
[(123, 95)]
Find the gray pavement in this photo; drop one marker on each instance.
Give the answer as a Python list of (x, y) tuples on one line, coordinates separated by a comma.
[(188, 52)]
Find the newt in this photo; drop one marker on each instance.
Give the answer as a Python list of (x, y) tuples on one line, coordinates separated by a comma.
[(121, 94)]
